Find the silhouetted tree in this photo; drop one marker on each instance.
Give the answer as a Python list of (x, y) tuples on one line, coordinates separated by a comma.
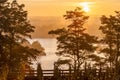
[(73, 41), (14, 29), (111, 30), (37, 45)]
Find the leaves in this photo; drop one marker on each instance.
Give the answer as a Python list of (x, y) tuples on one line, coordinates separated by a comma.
[(73, 40), (62, 62), (14, 29), (110, 27)]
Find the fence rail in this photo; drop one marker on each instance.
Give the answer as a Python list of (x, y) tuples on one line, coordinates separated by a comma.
[(95, 74)]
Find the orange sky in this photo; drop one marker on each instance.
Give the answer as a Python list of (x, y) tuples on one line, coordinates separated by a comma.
[(44, 9), (58, 7)]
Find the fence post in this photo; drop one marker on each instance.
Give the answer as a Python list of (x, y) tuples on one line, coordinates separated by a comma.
[(39, 72), (85, 71), (56, 72), (70, 76)]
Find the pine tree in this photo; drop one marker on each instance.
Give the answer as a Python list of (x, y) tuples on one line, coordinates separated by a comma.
[(73, 41)]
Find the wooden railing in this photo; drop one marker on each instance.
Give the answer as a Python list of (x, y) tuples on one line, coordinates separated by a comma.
[(69, 74)]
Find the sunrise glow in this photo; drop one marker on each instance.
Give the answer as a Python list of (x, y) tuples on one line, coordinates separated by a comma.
[(85, 6)]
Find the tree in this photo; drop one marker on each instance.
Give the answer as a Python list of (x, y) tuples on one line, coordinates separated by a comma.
[(14, 29), (111, 29), (73, 41), (37, 45)]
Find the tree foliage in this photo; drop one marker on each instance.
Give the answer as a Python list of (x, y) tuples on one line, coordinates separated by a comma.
[(14, 29), (73, 41), (111, 30)]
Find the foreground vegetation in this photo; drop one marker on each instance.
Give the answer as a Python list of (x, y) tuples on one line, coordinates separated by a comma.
[(81, 48), (73, 42), (14, 29)]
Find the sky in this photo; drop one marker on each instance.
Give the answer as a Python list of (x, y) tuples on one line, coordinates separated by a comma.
[(58, 7), (46, 15)]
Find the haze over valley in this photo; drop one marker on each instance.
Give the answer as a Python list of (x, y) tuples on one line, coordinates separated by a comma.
[(44, 24)]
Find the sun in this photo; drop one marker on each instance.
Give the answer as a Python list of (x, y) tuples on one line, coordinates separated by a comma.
[(85, 6)]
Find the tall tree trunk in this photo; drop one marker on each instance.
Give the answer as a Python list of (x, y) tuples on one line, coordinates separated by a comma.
[(4, 72), (116, 58)]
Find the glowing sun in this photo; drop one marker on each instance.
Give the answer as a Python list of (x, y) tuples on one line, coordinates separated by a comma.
[(85, 6)]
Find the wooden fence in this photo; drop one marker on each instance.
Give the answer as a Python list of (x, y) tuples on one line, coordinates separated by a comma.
[(51, 74), (93, 74)]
